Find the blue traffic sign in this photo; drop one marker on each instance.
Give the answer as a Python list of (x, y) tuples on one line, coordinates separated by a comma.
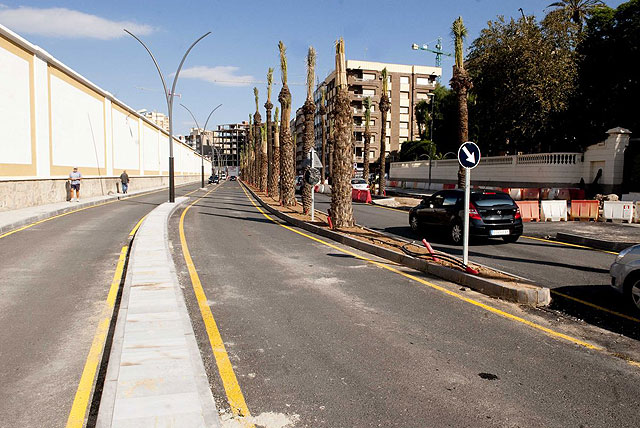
[(469, 155)]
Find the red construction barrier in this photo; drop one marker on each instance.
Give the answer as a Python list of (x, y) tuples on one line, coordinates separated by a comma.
[(584, 210), (530, 194), (576, 194), (361, 196), (529, 210)]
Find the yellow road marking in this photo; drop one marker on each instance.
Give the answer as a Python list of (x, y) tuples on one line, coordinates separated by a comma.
[(35, 223), (390, 208), (584, 302), (567, 244), (137, 226), (496, 311), (83, 393), (229, 380)]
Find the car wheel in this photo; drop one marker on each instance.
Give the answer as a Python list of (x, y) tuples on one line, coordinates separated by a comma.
[(456, 233), (413, 222), (633, 292), (511, 238)]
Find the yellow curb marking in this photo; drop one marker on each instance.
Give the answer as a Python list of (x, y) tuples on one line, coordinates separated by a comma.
[(567, 244), (437, 287), (83, 393), (225, 368)]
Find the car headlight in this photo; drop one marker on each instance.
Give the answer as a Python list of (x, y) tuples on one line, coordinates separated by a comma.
[(624, 253)]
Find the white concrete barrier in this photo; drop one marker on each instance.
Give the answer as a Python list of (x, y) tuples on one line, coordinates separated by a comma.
[(618, 210), (636, 217), (553, 210)]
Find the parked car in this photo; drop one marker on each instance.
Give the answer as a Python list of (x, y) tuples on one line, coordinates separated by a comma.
[(214, 179), (359, 184), (625, 275), (299, 182), (233, 178), (491, 215)]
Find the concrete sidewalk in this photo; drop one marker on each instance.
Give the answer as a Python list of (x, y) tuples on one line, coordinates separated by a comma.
[(155, 375), (14, 219)]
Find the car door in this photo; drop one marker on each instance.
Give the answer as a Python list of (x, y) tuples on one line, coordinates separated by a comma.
[(450, 207), (428, 213)]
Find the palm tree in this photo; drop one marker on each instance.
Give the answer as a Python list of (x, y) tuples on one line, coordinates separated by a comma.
[(257, 136), (287, 150), (276, 157), (577, 10), (309, 110), (322, 111), (341, 208), (249, 150), (367, 138), (460, 83), (384, 106), (422, 118), (268, 106)]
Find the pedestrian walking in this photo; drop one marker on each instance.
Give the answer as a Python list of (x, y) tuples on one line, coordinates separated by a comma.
[(74, 179), (124, 179)]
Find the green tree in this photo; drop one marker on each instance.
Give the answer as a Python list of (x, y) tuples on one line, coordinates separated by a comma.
[(577, 10), (423, 118), (524, 75), (608, 84)]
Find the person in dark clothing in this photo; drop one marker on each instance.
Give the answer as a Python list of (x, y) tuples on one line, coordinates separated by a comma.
[(124, 179)]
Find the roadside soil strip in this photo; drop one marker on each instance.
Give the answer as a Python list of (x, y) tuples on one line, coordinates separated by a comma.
[(491, 282)]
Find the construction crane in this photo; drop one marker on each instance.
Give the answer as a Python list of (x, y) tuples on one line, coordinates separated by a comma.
[(438, 51)]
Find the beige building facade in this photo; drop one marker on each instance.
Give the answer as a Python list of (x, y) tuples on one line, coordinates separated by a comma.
[(408, 85)]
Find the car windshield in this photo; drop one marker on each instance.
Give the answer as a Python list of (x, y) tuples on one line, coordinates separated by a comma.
[(358, 181), (491, 199)]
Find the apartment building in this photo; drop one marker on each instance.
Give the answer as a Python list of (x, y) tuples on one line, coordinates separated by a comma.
[(228, 140), (160, 119), (407, 84)]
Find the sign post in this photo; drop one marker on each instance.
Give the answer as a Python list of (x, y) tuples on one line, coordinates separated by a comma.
[(469, 157), (313, 177)]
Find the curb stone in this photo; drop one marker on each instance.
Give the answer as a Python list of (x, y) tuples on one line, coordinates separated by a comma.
[(600, 244), (532, 295)]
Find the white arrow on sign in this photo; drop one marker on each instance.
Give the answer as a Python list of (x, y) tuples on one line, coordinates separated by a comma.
[(471, 157)]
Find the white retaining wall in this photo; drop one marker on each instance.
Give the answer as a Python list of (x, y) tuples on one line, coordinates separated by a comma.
[(52, 119)]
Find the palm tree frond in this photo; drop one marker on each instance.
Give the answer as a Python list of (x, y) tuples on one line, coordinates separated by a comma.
[(269, 83)]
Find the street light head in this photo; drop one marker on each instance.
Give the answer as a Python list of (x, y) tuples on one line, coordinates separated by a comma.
[(425, 47), (414, 46)]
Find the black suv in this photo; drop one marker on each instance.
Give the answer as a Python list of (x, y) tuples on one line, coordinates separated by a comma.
[(214, 179), (491, 215)]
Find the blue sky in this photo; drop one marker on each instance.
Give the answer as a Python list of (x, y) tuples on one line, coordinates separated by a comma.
[(225, 66)]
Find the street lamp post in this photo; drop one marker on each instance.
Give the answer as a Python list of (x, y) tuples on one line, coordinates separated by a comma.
[(169, 98), (433, 101), (201, 142)]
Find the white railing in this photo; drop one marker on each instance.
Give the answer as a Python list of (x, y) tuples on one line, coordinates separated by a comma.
[(550, 159)]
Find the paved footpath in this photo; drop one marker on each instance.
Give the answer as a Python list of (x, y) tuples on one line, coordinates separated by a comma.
[(155, 376)]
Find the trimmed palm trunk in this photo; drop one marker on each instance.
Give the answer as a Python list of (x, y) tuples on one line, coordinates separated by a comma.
[(257, 138), (367, 138), (268, 107), (309, 140), (263, 158), (460, 83), (248, 150), (322, 111), (341, 208), (384, 108), (276, 157), (330, 147), (287, 150)]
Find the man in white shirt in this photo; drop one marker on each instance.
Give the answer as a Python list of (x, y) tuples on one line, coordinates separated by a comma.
[(74, 178)]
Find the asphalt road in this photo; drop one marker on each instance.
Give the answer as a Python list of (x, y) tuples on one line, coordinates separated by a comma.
[(319, 336), (54, 280), (576, 272)]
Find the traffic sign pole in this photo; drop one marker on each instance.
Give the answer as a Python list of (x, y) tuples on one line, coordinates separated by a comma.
[(469, 158), (313, 188), (467, 201)]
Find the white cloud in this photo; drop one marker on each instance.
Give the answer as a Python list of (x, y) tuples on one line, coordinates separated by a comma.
[(66, 23), (223, 75)]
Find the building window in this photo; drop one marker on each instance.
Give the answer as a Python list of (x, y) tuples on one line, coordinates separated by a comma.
[(368, 92), (404, 95), (404, 110), (404, 79), (372, 154), (421, 96), (404, 125), (423, 81), (368, 76)]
